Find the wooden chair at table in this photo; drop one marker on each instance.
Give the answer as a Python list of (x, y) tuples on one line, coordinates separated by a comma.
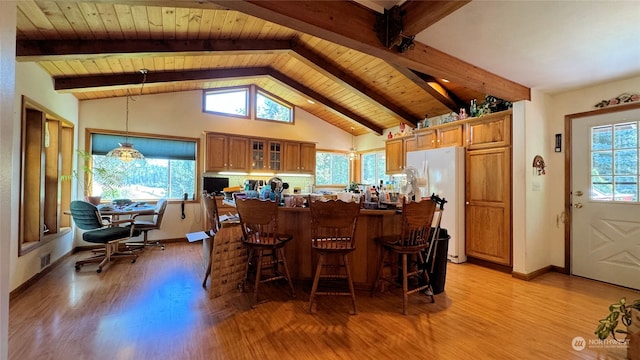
[(211, 209), (417, 218), (333, 226), (259, 224)]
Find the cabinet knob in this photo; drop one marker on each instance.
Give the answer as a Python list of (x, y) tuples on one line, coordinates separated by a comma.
[(467, 203)]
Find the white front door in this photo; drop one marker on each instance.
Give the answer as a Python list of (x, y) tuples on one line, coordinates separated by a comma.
[(605, 239)]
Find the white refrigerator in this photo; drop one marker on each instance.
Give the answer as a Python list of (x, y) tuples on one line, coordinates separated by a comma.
[(442, 173)]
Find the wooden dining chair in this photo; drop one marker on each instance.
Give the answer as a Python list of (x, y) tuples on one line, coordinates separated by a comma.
[(333, 227), (410, 245), (213, 216), (259, 224)]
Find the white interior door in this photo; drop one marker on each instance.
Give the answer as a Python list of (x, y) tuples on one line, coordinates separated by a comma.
[(605, 238)]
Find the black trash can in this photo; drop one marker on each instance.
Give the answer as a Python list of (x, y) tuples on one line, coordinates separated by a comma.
[(437, 261)]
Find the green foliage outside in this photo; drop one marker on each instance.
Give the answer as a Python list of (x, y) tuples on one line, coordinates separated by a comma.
[(149, 178), (373, 168), (267, 108), (614, 162), (332, 169)]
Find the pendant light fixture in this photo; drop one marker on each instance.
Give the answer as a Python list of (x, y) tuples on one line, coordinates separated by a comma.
[(353, 153), (125, 151)]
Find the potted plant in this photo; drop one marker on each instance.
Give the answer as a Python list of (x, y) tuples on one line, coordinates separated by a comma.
[(627, 313), (107, 174)]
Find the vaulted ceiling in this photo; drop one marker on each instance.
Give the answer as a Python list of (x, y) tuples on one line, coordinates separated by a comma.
[(322, 56)]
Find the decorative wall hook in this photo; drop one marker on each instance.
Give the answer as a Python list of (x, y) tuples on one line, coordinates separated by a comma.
[(538, 163)]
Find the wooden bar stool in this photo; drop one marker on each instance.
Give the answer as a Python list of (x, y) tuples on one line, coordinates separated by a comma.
[(211, 209), (413, 239), (333, 227), (259, 223)]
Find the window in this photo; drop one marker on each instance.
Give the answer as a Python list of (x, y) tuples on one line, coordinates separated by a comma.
[(235, 102), (230, 101), (167, 171), (270, 108), (373, 167), (614, 162), (332, 168)]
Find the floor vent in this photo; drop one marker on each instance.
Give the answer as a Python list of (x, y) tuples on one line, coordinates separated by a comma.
[(45, 261)]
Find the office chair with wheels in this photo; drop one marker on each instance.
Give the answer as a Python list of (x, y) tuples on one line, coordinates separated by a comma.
[(87, 217), (145, 226)]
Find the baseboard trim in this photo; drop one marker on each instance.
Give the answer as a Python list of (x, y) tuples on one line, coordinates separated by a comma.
[(490, 265), (533, 274), (25, 285), (561, 270)]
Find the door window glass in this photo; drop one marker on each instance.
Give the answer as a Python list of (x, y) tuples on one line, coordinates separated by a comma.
[(614, 162)]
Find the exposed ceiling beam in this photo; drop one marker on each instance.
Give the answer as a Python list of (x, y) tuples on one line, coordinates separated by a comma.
[(344, 79), (419, 15), (350, 24), (77, 83), (196, 4), (40, 50), (282, 78), (94, 82), (433, 88), (52, 50)]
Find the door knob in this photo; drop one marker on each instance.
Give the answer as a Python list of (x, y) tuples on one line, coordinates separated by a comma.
[(578, 193), (577, 205)]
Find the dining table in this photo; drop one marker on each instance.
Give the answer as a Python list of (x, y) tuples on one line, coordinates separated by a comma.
[(115, 211)]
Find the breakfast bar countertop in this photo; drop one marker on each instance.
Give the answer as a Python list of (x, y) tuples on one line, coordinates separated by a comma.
[(363, 261)]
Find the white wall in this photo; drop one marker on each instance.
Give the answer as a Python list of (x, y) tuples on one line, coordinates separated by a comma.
[(571, 102), (33, 82), (180, 114), (530, 213), (7, 160)]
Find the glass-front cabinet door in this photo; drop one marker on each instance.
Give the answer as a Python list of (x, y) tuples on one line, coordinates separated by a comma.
[(275, 155), (266, 155), (258, 150)]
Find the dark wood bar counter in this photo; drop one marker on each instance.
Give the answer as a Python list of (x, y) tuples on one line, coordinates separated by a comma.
[(363, 261)]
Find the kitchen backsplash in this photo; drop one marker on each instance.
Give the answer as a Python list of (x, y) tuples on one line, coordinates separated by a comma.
[(303, 182)]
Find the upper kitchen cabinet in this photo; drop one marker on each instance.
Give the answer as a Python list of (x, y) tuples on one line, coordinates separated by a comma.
[(227, 153), (489, 131), (299, 157), (440, 136), (395, 153), (266, 155)]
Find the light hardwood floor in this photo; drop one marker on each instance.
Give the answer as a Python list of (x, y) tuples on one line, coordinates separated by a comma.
[(156, 309)]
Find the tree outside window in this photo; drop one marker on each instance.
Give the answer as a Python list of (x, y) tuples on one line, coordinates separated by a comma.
[(373, 167), (332, 169)]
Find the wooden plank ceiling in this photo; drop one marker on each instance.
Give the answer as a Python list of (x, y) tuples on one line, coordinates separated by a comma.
[(96, 50)]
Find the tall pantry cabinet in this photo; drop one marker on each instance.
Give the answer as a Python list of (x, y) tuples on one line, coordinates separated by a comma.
[(488, 189)]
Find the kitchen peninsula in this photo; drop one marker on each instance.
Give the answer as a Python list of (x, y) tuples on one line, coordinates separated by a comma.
[(301, 260)]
